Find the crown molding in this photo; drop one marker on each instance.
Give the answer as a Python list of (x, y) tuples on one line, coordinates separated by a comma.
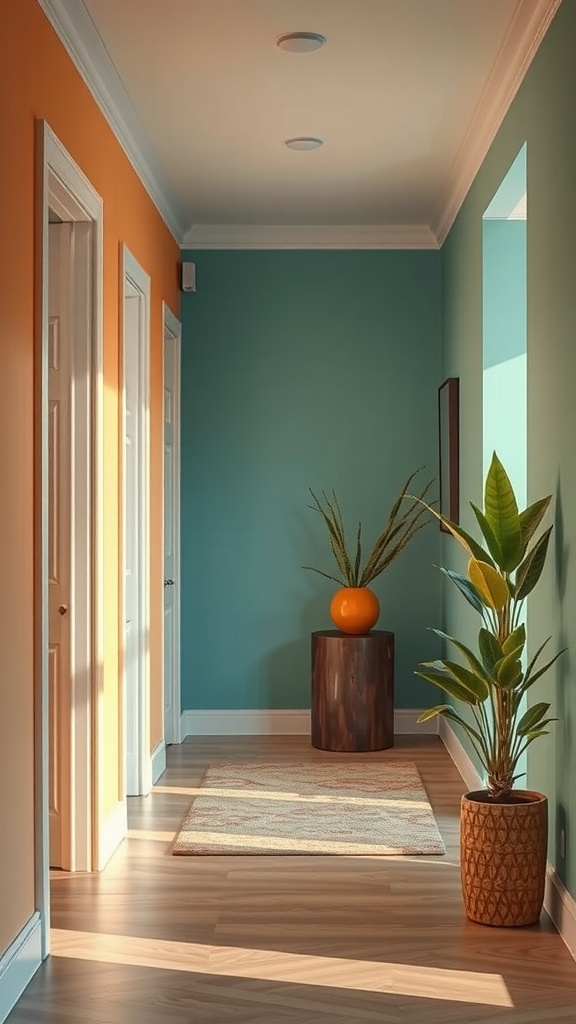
[(528, 26), (79, 36), (309, 236)]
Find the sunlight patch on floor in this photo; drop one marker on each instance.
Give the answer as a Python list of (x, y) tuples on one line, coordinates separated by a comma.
[(282, 844), (473, 987), (274, 794), (286, 844), (146, 833)]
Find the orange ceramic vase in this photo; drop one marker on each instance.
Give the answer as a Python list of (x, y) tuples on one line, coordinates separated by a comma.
[(354, 609)]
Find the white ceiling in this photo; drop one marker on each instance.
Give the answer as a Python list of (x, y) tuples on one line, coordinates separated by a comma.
[(406, 94)]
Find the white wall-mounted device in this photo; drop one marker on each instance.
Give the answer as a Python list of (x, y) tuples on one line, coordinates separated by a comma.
[(188, 277)]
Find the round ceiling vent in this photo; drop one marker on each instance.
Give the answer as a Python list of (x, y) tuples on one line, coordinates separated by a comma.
[(303, 142), (300, 42)]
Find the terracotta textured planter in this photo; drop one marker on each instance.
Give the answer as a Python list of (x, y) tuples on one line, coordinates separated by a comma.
[(503, 857)]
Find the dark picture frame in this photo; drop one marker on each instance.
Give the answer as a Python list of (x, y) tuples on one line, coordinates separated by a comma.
[(449, 449)]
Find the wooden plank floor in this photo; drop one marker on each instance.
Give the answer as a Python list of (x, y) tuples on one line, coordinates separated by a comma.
[(157, 939)]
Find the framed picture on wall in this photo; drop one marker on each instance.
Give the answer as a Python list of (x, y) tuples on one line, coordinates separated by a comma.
[(449, 449)]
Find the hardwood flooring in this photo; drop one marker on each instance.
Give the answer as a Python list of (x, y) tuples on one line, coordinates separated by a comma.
[(157, 939)]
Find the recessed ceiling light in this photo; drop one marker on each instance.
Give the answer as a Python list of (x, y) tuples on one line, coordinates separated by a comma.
[(303, 142), (300, 42)]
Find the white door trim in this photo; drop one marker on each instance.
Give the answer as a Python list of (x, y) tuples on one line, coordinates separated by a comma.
[(137, 704), (61, 185), (173, 336)]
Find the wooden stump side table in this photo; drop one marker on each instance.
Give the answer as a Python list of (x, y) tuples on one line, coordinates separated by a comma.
[(352, 691)]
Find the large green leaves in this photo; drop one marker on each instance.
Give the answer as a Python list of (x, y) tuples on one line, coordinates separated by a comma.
[(489, 536), (440, 675), (470, 545), (502, 662), (448, 711), (478, 740), (471, 658), (534, 719), (516, 640), (491, 586), (501, 512), (466, 588), (531, 677), (531, 518), (531, 568), (475, 684), (490, 650), (509, 671), (433, 712), (492, 681)]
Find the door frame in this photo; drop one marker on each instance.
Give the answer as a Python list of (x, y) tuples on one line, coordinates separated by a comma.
[(172, 334), (136, 704), (62, 187), (62, 270)]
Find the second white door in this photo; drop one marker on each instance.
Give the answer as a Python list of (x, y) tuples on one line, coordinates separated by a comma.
[(172, 332), (136, 344)]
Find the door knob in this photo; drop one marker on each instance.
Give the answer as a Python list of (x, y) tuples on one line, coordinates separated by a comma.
[(168, 583), (62, 609)]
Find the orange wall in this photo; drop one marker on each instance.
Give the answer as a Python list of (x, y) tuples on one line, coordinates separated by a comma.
[(38, 80)]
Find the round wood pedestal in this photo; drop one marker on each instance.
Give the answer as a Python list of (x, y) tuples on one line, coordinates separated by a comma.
[(352, 691)]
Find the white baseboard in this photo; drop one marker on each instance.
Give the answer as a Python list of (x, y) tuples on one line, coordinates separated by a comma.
[(245, 723), (406, 723), (561, 907), (558, 902), (461, 758), (19, 964), (158, 759), (278, 723), (113, 831)]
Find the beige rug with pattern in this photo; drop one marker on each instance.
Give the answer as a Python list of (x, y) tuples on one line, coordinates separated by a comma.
[(340, 808)]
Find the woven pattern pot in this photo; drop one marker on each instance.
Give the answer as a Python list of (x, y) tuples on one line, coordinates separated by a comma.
[(503, 858)]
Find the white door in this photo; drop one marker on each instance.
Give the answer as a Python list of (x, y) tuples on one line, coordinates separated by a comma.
[(171, 528), (59, 465), (68, 555), (136, 346), (131, 541)]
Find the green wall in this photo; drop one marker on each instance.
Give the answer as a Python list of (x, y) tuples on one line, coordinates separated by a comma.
[(543, 115), (300, 369)]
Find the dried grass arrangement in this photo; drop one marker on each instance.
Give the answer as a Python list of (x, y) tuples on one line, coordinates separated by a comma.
[(403, 523)]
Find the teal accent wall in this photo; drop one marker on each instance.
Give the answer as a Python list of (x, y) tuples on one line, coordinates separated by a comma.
[(543, 114), (300, 369)]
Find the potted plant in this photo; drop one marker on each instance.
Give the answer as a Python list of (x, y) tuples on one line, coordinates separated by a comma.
[(503, 834), (354, 607)]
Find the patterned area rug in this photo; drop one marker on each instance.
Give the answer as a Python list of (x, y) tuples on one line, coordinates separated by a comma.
[(319, 808)]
